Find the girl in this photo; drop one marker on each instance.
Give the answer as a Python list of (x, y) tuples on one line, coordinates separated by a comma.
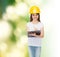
[(35, 32)]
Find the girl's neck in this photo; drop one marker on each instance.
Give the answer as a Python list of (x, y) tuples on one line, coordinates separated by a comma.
[(34, 22)]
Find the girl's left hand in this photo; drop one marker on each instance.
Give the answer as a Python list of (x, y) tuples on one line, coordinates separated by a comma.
[(34, 34)]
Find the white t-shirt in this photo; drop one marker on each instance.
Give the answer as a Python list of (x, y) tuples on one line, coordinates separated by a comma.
[(34, 41)]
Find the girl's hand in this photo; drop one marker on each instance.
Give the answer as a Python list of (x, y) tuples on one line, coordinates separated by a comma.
[(33, 34)]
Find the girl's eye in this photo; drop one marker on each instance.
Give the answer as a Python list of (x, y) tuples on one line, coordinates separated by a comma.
[(34, 15)]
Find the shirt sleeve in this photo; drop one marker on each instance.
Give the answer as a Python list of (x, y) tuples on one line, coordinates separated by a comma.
[(27, 24), (41, 25)]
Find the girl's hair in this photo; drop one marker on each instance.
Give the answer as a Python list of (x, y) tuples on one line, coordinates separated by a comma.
[(38, 17)]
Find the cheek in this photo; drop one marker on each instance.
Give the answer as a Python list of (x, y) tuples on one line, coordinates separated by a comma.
[(33, 17), (37, 17)]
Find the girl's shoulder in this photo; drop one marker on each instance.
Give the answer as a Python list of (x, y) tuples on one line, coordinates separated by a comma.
[(41, 24), (28, 23)]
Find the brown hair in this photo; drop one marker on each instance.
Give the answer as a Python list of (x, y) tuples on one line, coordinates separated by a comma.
[(38, 17)]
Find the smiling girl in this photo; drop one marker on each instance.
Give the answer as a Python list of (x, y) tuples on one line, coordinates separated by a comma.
[(35, 32)]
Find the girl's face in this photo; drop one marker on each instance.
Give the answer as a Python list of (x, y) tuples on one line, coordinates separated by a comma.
[(34, 16)]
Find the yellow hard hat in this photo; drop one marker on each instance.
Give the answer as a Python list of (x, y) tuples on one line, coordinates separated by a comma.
[(34, 9)]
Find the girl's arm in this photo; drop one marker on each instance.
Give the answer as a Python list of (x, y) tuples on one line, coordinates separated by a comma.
[(41, 34)]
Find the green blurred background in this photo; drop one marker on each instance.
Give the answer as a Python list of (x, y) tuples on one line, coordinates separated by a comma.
[(14, 14)]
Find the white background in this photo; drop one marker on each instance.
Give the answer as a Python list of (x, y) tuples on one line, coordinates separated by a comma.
[(50, 16)]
